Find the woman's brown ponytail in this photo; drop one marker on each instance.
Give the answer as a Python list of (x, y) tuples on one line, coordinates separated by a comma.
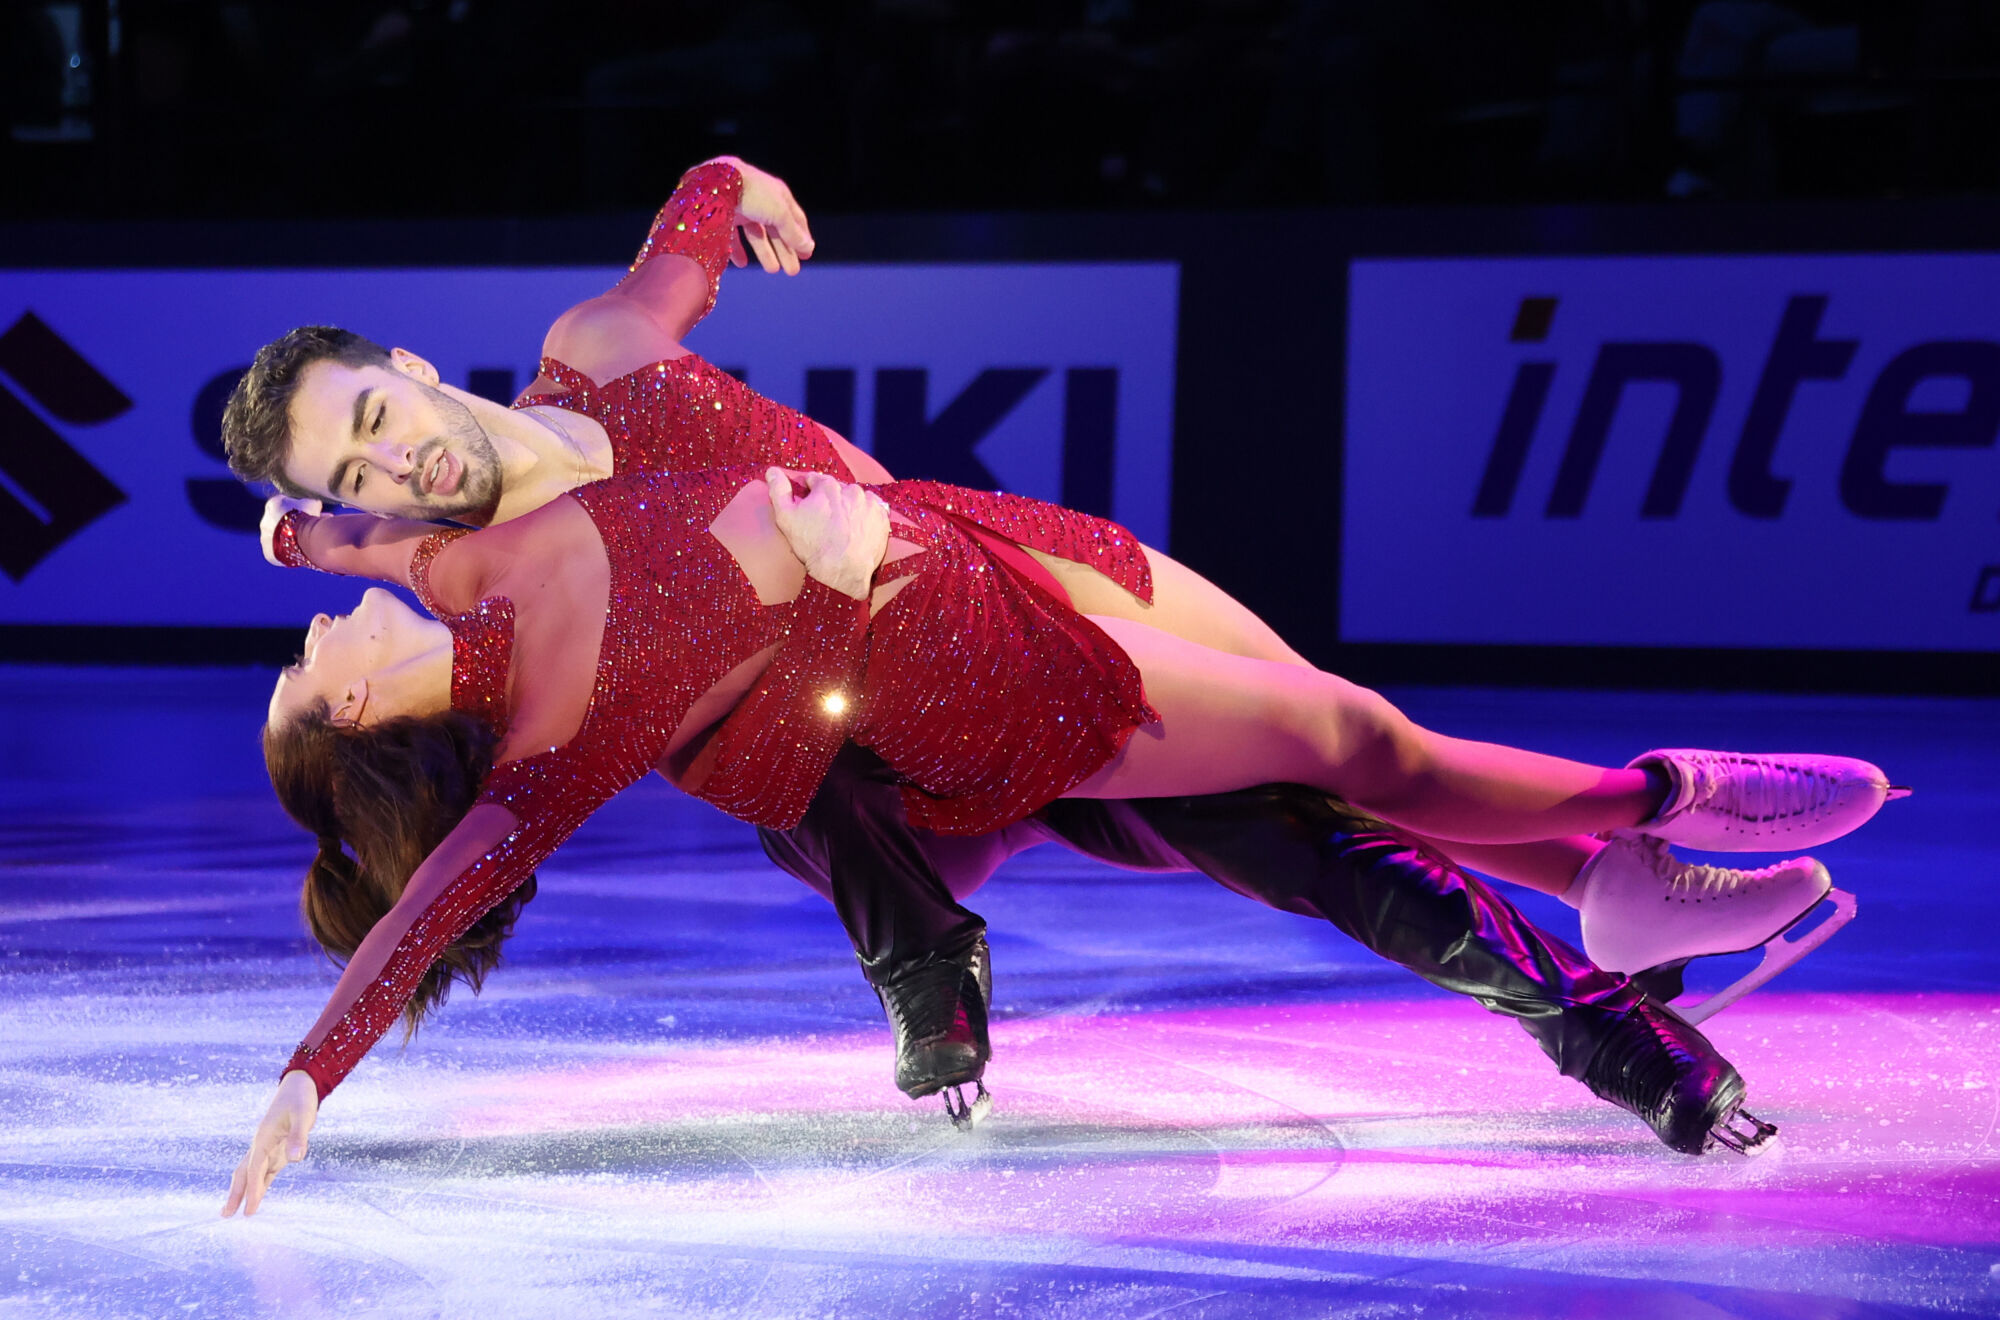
[(379, 800)]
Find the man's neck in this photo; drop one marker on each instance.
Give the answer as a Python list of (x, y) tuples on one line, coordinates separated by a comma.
[(541, 458)]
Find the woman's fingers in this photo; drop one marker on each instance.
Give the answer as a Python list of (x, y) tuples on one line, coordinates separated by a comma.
[(737, 257), (270, 1160), (235, 1197), (797, 234), (760, 243)]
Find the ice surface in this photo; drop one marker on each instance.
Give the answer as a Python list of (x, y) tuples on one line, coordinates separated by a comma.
[(675, 1099)]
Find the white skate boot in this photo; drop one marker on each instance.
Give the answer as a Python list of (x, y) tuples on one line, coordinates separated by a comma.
[(1738, 802), (1646, 913)]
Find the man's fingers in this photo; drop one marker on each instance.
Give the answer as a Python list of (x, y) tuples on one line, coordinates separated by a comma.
[(783, 498)]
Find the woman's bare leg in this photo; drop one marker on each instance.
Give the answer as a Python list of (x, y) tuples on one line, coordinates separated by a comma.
[(1191, 607), (1548, 866), (1229, 722), (1184, 603)]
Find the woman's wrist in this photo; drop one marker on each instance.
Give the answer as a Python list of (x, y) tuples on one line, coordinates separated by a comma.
[(287, 549)]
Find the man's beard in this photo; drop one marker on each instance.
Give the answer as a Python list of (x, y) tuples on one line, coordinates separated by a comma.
[(478, 495)]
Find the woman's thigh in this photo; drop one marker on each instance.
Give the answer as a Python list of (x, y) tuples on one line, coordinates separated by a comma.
[(1184, 603), (1231, 721)]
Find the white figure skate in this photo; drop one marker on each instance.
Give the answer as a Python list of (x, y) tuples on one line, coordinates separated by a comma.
[(1646, 913), (1739, 802)]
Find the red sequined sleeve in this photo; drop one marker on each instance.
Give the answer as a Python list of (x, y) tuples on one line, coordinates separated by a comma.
[(774, 749), (285, 540), (696, 223), (378, 982), (351, 544)]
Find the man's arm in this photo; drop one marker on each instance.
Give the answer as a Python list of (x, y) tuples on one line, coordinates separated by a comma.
[(673, 281)]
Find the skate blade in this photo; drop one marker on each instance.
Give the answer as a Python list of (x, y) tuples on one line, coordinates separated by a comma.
[(966, 1117), (1895, 791), (1780, 952), (1744, 1133)]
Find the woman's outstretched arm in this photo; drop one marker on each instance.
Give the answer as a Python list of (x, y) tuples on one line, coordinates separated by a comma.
[(296, 534), (674, 280), (482, 860)]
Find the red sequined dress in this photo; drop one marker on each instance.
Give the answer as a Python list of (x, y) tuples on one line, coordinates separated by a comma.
[(976, 681)]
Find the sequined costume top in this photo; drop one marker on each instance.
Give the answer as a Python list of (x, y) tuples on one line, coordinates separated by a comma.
[(977, 682)]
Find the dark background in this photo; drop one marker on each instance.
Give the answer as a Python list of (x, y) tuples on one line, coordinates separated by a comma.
[(1261, 145), (130, 108)]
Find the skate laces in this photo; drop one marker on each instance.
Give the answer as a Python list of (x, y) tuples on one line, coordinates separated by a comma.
[(1775, 790), (1693, 877), (1638, 1067), (927, 1002)]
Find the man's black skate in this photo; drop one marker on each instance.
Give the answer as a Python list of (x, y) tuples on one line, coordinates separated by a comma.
[(1655, 1065), (938, 1012)]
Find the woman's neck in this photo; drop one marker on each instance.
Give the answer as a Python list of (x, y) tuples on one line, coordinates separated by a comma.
[(421, 683)]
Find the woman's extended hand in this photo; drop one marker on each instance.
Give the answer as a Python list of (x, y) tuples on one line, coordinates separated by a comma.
[(280, 1140), (769, 219), (839, 531)]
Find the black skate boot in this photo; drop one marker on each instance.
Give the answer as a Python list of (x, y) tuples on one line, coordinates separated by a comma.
[(1655, 1065), (938, 1012)]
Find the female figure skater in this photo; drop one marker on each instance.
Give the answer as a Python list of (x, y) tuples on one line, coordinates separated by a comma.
[(1005, 653)]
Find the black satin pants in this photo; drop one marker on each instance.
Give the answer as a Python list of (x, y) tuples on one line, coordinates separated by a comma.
[(897, 888)]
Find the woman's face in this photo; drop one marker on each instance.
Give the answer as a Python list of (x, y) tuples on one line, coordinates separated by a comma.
[(347, 657)]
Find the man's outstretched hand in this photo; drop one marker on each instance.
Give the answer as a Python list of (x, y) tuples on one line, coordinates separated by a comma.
[(839, 531), (769, 220), (276, 508)]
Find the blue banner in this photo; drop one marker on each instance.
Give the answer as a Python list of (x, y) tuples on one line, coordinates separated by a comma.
[(1787, 452)]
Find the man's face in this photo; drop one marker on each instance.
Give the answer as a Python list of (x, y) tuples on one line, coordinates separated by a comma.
[(383, 439)]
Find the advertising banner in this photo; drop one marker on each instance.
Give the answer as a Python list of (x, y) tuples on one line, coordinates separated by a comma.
[(1767, 451), (115, 507)]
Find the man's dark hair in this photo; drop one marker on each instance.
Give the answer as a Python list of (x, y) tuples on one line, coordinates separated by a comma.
[(257, 424)]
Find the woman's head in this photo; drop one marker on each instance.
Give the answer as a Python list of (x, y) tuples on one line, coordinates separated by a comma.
[(379, 789), (380, 661)]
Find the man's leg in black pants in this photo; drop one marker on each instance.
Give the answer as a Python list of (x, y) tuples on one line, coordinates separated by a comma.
[(1289, 847), (1298, 850), (922, 952)]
